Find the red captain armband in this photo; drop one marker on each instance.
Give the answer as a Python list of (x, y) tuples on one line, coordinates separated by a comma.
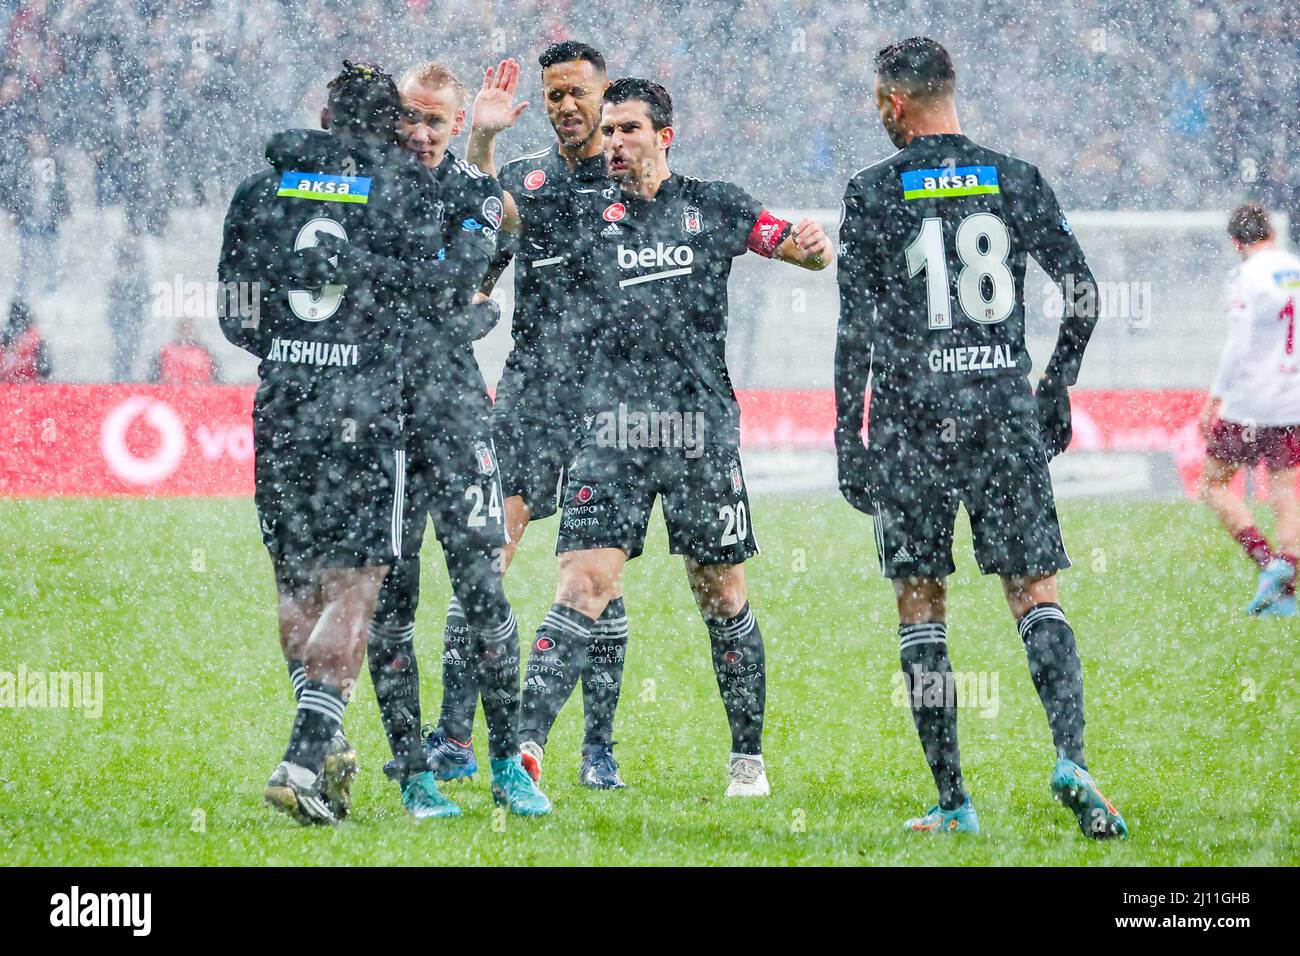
[(768, 234)]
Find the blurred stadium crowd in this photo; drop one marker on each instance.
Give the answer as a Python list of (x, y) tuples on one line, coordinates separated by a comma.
[(162, 105)]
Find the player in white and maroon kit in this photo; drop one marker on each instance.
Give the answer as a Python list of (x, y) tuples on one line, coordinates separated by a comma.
[(1253, 412)]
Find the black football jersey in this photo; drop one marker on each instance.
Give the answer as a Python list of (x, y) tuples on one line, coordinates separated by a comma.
[(933, 247), (330, 357), (445, 389), (550, 328), (659, 268)]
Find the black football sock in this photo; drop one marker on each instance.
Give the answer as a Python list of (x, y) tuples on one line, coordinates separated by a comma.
[(396, 676), (1058, 676), (739, 665), (320, 714), (459, 677), (602, 676), (496, 664), (554, 666), (297, 677), (923, 651)]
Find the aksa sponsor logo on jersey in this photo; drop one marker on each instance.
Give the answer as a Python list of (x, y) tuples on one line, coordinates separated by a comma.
[(324, 187), (971, 358), (313, 353), (535, 180), (670, 260), (945, 183), (1287, 279)]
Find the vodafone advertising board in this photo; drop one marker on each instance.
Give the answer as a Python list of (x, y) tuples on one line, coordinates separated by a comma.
[(125, 440)]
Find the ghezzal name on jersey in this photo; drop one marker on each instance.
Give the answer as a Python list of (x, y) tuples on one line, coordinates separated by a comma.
[(971, 358), (312, 353)]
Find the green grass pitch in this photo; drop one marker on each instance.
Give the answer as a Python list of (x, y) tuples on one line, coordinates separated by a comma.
[(1191, 707)]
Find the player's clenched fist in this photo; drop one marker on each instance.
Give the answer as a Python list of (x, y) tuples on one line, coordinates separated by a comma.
[(806, 245), (812, 240)]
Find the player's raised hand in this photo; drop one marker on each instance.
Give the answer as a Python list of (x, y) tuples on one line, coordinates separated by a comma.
[(494, 106)]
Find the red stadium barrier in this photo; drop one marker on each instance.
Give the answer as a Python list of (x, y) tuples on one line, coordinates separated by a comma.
[(197, 440), (126, 440)]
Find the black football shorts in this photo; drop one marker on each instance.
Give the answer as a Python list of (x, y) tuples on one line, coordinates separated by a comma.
[(925, 464), (610, 492), (338, 508), (535, 448)]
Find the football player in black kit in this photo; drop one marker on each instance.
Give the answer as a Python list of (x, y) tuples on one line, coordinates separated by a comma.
[(452, 476), (660, 413), (537, 416), (327, 414), (933, 245)]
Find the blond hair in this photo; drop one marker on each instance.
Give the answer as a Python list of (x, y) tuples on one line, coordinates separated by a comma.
[(433, 75)]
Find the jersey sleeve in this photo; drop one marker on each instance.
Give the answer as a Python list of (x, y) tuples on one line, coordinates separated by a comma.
[(437, 274), (857, 279), (1236, 347), (1050, 240), (510, 180), (472, 234), (243, 260), (746, 224)]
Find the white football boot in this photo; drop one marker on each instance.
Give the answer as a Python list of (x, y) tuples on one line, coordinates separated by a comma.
[(747, 777)]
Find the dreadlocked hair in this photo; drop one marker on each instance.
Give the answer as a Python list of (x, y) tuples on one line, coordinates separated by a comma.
[(364, 99)]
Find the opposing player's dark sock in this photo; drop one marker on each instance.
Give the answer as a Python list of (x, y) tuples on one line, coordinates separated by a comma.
[(297, 677), (1058, 676), (923, 652), (602, 675), (739, 665), (554, 666), (320, 714), (1255, 545), (459, 676), (396, 676), (496, 665)]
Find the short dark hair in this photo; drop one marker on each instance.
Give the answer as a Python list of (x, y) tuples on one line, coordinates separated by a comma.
[(571, 51), (1249, 223), (650, 93), (919, 65), (364, 99)]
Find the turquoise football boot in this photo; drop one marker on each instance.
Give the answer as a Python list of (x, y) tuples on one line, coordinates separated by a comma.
[(422, 799), (1273, 579), (1075, 789), (937, 820), (1286, 607), (512, 786)]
